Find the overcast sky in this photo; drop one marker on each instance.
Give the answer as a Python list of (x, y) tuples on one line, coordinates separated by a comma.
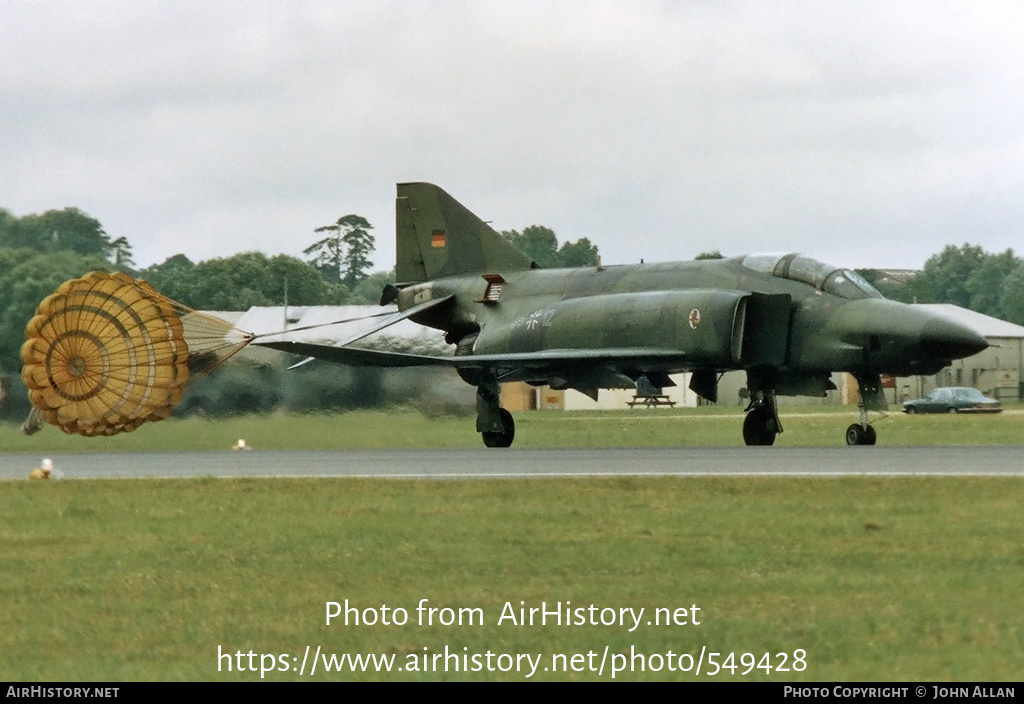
[(867, 134)]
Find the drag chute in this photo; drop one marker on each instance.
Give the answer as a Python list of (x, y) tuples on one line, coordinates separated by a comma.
[(105, 353)]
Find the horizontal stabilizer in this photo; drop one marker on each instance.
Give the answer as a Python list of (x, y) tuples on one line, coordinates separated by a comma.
[(357, 357), (397, 317), (273, 340)]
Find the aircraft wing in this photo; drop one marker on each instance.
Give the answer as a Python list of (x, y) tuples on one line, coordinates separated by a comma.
[(355, 356), (528, 360), (562, 357)]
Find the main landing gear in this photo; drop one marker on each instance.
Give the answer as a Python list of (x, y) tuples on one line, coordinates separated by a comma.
[(503, 437), (493, 422), (762, 423)]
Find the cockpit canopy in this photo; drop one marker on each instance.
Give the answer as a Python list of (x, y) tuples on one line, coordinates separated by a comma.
[(829, 278)]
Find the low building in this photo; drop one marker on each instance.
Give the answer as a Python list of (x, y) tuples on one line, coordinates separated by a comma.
[(520, 396), (610, 399)]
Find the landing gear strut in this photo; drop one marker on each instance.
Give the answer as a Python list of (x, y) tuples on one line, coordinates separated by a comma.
[(493, 422), (869, 394), (762, 422)]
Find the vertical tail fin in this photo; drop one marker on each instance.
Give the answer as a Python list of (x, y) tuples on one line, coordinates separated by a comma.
[(437, 236)]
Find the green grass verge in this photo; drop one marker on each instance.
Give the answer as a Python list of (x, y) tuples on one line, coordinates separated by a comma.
[(405, 428), (875, 579)]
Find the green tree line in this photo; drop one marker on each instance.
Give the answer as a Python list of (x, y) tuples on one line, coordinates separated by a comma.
[(541, 244), (40, 252)]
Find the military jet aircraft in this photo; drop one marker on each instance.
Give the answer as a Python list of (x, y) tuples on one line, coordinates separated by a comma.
[(788, 321)]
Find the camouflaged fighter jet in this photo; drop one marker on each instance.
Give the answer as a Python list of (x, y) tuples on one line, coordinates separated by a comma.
[(788, 321)]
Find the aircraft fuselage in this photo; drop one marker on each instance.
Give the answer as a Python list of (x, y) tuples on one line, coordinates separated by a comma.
[(696, 315)]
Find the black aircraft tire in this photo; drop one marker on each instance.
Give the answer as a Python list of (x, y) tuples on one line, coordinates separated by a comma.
[(853, 434), (505, 437), (870, 436), (759, 427), (857, 434)]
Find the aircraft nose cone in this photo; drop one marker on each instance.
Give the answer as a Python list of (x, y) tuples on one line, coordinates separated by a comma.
[(946, 339)]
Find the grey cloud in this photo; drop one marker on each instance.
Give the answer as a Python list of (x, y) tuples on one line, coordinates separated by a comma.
[(870, 134)]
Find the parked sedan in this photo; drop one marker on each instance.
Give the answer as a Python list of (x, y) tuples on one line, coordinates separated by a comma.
[(955, 399)]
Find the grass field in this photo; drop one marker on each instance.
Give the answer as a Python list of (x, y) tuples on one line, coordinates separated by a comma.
[(900, 579), (872, 579)]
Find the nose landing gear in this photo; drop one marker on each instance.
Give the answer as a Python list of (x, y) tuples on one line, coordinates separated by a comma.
[(869, 395)]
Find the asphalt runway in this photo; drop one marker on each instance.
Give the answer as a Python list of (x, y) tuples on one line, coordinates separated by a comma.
[(960, 460)]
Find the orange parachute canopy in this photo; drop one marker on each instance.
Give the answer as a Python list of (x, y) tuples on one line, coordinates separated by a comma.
[(106, 353)]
